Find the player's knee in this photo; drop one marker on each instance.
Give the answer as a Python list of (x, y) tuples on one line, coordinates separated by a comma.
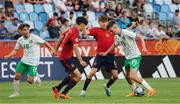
[(115, 77)]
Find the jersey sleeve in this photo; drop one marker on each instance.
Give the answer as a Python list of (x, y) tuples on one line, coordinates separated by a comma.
[(39, 40), (93, 31), (129, 33), (18, 45), (116, 41)]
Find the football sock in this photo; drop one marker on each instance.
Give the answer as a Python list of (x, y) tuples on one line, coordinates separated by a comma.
[(16, 85), (70, 85), (133, 86), (63, 83), (86, 84), (110, 82), (145, 84)]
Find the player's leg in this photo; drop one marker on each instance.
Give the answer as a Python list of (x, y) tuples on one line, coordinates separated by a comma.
[(96, 66), (37, 79), (76, 77), (20, 69)]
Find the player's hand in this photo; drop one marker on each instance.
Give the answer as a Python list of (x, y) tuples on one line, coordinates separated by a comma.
[(6, 57), (54, 53), (102, 54), (145, 51), (83, 63)]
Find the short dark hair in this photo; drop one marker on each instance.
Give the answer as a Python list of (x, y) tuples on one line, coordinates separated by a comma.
[(177, 10), (23, 25), (55, 14), (110, 24), (81, 20), (103, 18), (62, 12), (71, 12)]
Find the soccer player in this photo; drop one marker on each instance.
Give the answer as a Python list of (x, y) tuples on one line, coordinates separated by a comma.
[(104, 41), (30, 60), (69, 42), (132, 56)]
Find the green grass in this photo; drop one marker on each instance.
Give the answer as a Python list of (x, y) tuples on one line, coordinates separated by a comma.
[(168, 91)]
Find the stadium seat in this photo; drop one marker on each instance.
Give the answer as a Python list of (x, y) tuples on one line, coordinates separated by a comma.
[(97, 14), (43, 17), (160, 2), (79, 13), (38, 8), (173, 7), (170, 17), (23, 16), (28, 7), (38, 25), (157, 8), (165, 8), (95, 23), (45, 34), (179, 6), (31, 24), (19, 8), (148, 10), (91, 16), (16, 14), (33, 16), (48, 8), (8, 23), (168, 2), (163, 18)]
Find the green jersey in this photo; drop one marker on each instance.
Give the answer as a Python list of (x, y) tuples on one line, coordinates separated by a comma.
[(31, 48), (128, 43)]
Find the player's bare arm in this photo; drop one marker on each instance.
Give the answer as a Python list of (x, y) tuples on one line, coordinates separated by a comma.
[(108, 51), (82, 62), (50, 47), (144, 49), (11, 53)]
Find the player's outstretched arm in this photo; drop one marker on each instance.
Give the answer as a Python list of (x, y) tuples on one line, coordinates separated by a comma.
[(50, 47), (144, 49), (59, 42), (82, 62), (108, 51), (11, 53)]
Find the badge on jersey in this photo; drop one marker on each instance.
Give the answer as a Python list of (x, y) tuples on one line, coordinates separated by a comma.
[(107, 35)]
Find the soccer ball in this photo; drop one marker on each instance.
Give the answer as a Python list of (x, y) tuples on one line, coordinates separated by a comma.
[(139, 91)]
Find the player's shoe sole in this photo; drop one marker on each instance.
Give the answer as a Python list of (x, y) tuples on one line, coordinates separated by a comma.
[(108, 92), (65, 96), (56, 93), (15, 94), (151, 92)]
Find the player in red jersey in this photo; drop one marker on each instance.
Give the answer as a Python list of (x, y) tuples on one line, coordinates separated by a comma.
[(105, 39), (69, 42)]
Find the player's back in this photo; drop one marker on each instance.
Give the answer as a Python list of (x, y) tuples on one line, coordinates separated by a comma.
[(70, 38)]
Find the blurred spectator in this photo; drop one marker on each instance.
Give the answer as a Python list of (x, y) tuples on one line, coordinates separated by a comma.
[(2, 15), (65, 25), (102, 6), (124, 21), (151, 30), (77, 6), (72, 18), (160, 33), (69, 5), (169, 32), (9, 4), (62, 17), (9, 13), (110, 12), (52, 20), (118, 10), (86, 5), (142, 28), (13, 29), (176, 1), (60, 5), (95, 5), (3, 30), (177, 19), (85, 15), (134, 18)]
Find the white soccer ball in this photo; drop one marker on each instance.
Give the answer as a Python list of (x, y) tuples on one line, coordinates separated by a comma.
[(139, 91)]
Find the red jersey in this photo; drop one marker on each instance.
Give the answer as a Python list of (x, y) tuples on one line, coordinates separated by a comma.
[(70, 38), (104, 38)]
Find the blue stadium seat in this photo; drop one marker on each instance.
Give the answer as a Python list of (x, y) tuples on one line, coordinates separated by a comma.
[(28, 7), (8, 23), (78, 14), (165, 8), (170, 18), (23, 16), (45, 34), (38, 25), (160, 2), (163, 18), (148, 8), (168, 2), (98, 14), (91, 16), (38, 8), (33, 16), (43, 17), (173, 7), (19, 8), (95, 23), (31, 24), (157, 8), (16, 14), (49, 9)]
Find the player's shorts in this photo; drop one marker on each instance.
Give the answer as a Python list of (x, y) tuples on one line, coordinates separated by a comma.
[(22, 67), (107, 61), (69, 64), (133, 63)]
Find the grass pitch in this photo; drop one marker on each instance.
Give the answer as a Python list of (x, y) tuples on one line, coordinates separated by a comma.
[(168, 91)]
